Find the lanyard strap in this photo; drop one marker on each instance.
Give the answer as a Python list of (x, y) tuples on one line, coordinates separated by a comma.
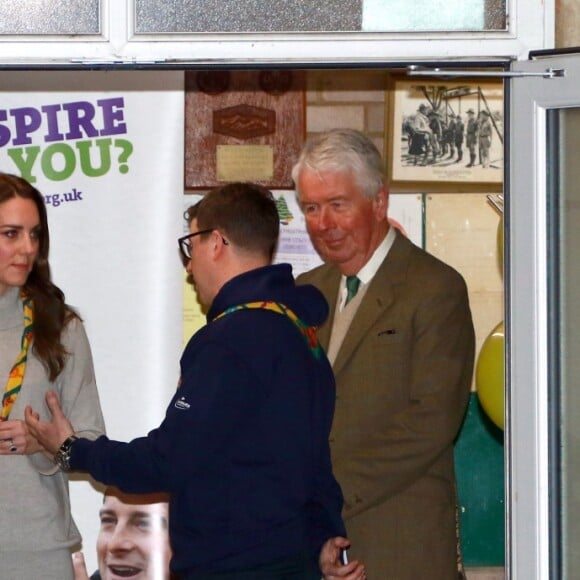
[(309, 332)]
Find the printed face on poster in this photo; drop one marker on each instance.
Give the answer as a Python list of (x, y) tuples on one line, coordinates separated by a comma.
[(445, 135), (133, 539)]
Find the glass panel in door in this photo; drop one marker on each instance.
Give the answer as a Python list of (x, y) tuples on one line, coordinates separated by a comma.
[(543, 323), (564, 336)]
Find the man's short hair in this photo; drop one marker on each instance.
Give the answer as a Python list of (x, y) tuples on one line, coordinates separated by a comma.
[(135, 498), (245, 213)]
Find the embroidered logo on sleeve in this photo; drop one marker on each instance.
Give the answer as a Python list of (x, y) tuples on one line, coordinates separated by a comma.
[(182, 404)]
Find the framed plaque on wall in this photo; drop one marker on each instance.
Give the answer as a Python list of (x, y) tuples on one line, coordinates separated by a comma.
[(243, 126)]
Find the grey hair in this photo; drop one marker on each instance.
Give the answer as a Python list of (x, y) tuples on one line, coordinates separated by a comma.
[(343, 151)]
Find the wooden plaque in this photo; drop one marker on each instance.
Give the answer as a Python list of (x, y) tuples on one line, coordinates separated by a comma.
[(243, 126)]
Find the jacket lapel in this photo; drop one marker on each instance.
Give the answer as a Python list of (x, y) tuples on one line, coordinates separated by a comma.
[(378, 299)]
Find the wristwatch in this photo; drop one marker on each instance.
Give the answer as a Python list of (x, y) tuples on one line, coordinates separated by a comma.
[(62, 456)]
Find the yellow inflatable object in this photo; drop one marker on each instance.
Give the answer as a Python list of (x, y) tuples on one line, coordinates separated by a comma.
[(489, 375)]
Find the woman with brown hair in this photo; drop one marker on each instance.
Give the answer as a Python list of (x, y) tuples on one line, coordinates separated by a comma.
[(43, 346)]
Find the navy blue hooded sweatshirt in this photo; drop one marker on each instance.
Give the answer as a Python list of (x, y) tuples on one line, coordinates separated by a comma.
[(243, 449)]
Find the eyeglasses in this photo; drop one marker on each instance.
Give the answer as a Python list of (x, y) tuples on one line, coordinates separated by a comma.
[(185, 242)]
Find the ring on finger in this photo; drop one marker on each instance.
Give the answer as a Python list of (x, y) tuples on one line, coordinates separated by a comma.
[(13, 448)]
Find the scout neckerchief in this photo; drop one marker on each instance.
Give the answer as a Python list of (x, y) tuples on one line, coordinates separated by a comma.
[(309, 332), (16, 375)]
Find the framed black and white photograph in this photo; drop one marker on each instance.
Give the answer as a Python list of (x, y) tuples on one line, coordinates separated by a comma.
[(445, 135)]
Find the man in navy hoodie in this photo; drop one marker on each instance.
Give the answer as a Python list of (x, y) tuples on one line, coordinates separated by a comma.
[(243, 449)]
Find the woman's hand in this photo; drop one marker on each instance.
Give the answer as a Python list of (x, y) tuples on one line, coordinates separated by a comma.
[(16, 439)]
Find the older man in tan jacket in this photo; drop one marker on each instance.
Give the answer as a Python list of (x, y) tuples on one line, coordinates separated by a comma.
[(401, 341)]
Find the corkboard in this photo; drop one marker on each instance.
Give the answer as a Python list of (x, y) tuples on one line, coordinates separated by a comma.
[(243, 126)]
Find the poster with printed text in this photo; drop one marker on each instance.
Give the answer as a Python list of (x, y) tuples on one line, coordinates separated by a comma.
[(105, 149)]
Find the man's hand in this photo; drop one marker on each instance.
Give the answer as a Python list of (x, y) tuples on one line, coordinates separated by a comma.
[(331, 565), (51, 434), (79, 566)]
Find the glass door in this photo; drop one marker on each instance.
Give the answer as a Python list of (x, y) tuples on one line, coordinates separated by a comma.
[(543, 326)]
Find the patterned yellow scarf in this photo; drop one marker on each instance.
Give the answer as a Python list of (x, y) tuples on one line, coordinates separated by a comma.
[(309, 332), (16, 375)]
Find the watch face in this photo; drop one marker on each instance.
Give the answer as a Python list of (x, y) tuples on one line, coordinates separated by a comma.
[(62, 456), (61, 459)]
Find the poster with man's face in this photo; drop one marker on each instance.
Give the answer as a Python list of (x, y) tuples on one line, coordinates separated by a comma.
[(133, 539)]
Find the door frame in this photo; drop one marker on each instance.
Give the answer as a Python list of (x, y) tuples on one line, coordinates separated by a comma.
[(531, 553)]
